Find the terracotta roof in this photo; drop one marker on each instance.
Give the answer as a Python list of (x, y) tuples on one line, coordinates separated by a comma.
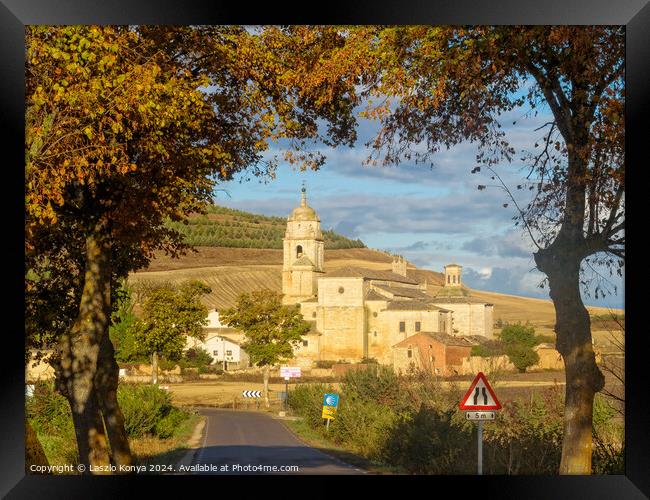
[(478, 339), (442, 338), (369, 274), (412, 305)]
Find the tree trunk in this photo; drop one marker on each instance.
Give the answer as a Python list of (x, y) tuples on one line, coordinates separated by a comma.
[(561, 263), (106, 382), (78, 352), (154, 368), (91, 435), (267, 369)]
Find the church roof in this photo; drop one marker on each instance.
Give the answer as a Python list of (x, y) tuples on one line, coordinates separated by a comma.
[(369, 274), (304, 211), (372, 295), (438, 299), (400, 291), (303, 261), (411, 305)]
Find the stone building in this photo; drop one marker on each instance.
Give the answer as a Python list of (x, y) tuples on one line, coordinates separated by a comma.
[(359, 313), (437, 353)]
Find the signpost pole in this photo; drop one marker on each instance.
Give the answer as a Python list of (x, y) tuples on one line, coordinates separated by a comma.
[(286, 393), (480, 447), (327, 426)]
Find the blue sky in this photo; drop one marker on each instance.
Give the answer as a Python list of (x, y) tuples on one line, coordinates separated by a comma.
[(432, 216)]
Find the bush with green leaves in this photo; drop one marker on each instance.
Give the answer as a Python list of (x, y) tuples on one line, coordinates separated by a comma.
[(365, 426), (519, 341), (49, 414), (431, 442), (197, 357), (306, 400), (412, 422)]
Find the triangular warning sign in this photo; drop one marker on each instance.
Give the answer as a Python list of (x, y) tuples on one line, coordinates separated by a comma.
[(480, 396)]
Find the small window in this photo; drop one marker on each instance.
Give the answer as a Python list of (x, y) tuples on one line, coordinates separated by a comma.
[(417, 326), (402, 326), (298, 250), (409, 353), (374, 315), (305, 343), (448, 279), (215, 353), (375, 334), (341, 289), (228, 353), (313, 315)]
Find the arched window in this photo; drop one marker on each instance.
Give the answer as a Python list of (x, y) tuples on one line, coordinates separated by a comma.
[(299, 251)]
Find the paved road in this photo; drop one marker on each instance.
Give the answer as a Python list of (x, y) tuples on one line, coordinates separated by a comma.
[(243, 440)]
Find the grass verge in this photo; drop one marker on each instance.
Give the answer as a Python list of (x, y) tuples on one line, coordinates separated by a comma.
[(315, 440)]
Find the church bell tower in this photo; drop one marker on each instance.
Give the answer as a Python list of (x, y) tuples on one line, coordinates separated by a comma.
[(303, 254)]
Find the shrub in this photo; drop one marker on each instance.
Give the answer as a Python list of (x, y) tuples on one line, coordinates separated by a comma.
[(197, 357), (48, 411), (325, 363), (375, 383), (306, 400), (494, 348), (431, 442), (145, 407), (519, 341), (363, 425)]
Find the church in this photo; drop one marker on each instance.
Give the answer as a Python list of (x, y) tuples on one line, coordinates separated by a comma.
[(359, 313)]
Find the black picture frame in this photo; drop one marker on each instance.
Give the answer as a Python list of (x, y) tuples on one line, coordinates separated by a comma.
[(634, 14)]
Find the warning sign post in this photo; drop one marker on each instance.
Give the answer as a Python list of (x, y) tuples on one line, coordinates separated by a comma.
[(480, 403)]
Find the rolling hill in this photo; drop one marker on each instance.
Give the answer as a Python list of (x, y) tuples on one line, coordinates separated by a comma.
[(227, 227)]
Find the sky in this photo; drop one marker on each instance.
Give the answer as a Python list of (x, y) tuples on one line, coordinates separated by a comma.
[(431, 216)]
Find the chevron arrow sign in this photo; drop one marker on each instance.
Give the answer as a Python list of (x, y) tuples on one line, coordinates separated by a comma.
[(251, 394)]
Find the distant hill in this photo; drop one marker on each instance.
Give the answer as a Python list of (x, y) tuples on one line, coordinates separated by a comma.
[(227, 227)]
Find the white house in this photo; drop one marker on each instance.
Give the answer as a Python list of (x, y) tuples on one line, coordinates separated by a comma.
[(223, 344)]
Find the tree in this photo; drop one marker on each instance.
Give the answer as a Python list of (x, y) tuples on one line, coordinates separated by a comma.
[(127, 127), (121, 329), (519, 341), (198, 357), (440, 86), (272, 329), (169, 317)]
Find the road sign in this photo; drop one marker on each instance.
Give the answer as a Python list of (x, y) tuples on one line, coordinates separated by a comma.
[(331, 400), (251, 394), (288, 372), (480, 415), (330, 404), (480, 396)]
